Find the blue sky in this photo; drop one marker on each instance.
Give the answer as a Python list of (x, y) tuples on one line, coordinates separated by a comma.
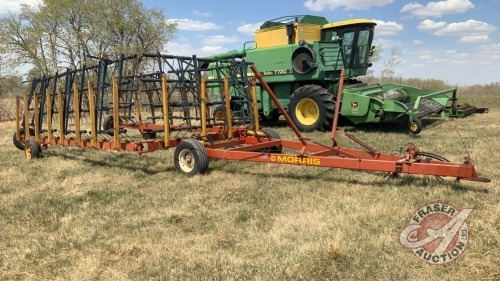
[(453, 40), (457, 41)]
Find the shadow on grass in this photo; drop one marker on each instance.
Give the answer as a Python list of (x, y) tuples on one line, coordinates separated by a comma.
[(388, 126), (403, 181), (130, 162), (126, 161), (392, 126), (434, 181)]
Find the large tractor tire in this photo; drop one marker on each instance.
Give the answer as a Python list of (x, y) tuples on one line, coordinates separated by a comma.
[(311, 108)]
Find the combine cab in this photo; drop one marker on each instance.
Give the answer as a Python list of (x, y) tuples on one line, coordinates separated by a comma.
[(301, 58)]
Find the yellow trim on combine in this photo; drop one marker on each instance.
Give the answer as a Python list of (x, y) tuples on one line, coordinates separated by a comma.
[(276, 35), (348, 22)]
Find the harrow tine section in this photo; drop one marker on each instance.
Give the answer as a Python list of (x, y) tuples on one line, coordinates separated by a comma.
[(205, 108)]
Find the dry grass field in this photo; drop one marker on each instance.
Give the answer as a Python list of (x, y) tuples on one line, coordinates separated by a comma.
[(79, 214)]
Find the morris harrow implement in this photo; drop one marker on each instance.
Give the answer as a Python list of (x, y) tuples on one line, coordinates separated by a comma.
[(156, 102)]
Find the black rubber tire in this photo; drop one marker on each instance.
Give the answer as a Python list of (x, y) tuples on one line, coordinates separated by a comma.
[(19, 144), (324, 101), (273, 117), (454, 108), (415, 126), (272, 135), (218, 112), (32, 149), (149, 135), (108, 123), (191, 158)]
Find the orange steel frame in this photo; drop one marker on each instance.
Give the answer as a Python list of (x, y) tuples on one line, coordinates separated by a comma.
[(217, 133), (336, 156), (242, 144)]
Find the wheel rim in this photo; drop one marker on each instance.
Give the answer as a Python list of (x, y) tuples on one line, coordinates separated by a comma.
[(307, 111), (27, 151), (186, 161), (413, 126)]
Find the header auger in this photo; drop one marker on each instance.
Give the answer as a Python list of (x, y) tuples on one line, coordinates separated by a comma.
[(156, 102)]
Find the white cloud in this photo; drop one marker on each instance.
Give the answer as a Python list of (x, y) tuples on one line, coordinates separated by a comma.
[(219, 40), (410, 7), (470, 31), (249, 28), (425, 57), (491, 51), (387, 27), (431, 57), (202, 14), (473, 39), (437, 9), (213, 49), (494, 47), (469, 27), (387, 44), (430, 25), (320, 5), (454, 65), (194, 25), (14, 6), (418, 42), (451, 65), (186, 49), (417, 65)]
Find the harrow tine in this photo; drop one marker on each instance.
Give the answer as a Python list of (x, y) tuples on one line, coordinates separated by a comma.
[(180, 92)]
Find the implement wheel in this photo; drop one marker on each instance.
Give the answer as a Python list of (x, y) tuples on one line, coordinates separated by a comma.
[(273, 116), (22, 132), (191, 158), (311, 108), (219, 114), (108, 123), (32, 149), (272, 135), (416, 125)]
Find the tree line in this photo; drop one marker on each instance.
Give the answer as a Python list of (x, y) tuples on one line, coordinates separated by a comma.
[(68, 33)]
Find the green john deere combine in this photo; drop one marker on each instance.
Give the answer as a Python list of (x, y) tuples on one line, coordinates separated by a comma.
[(301, 58)]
